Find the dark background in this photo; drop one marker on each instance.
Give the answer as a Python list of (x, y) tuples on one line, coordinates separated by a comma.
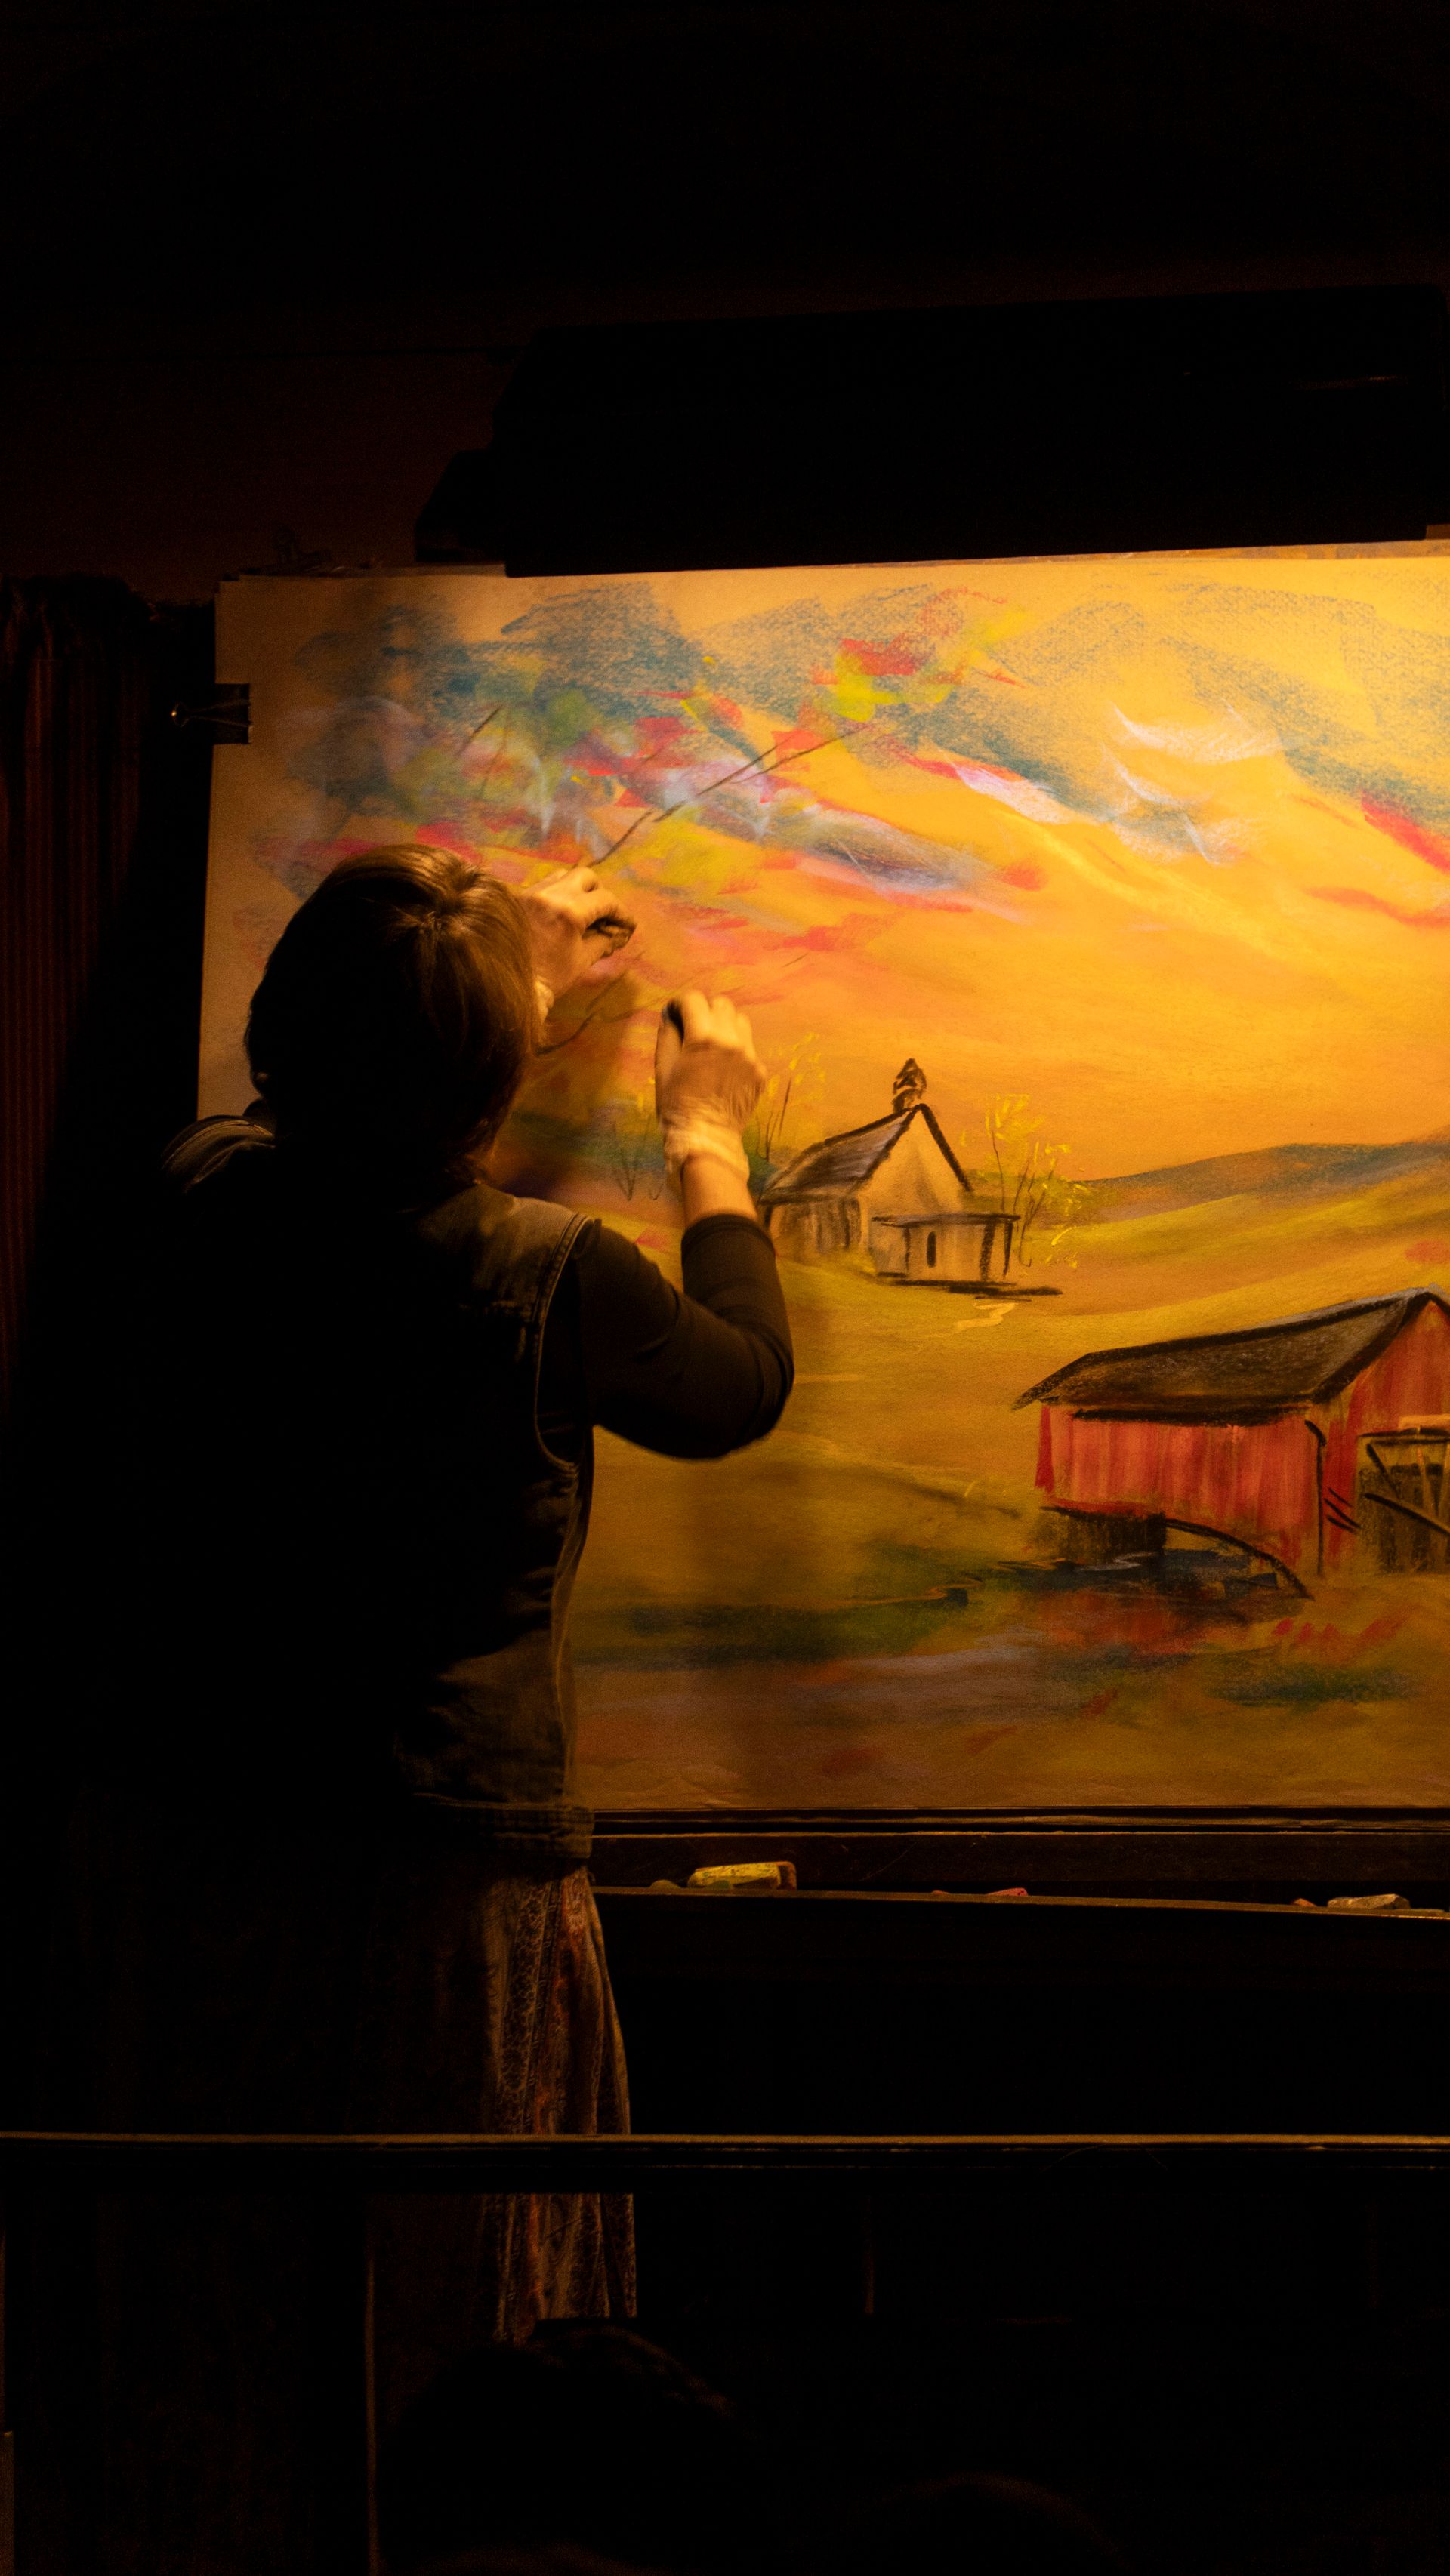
[(262, 273), (268, 268)]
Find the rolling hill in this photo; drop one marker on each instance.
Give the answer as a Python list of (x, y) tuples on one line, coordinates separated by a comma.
[(1328, 1171)]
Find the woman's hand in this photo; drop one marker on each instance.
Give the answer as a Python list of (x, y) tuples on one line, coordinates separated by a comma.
[(573, 922), (708, 1079)]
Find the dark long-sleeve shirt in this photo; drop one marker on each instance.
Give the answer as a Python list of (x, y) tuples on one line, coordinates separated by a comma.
[(693, 1376), (338, 1548)]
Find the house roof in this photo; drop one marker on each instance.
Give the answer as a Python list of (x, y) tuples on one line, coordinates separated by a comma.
[(1230, 1376), (842, 1163)]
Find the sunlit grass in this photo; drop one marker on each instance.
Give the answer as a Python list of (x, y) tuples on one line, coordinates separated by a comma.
[(863, 1609)]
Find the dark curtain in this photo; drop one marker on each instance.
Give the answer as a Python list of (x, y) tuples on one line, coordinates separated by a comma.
[(103, 821), (103, 825), (102, 864)]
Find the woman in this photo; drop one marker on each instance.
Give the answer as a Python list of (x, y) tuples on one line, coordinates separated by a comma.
[(331, 1872)]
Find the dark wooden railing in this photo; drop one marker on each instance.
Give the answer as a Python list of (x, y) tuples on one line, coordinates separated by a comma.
[(414, 2162)]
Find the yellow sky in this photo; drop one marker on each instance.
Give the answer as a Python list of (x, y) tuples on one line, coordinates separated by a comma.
[(1197, 809), (1154, 1011)]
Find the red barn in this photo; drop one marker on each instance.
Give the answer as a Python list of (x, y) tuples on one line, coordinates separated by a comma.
[(1300, 1440)]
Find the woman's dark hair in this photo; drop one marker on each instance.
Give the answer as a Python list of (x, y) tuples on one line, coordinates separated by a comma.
[(396, 1016)]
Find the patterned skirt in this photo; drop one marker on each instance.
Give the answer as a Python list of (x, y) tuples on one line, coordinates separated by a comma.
[(310, 1981)]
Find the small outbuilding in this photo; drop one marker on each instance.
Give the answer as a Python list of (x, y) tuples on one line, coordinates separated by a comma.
[(825, 1201), (1301, 1441)]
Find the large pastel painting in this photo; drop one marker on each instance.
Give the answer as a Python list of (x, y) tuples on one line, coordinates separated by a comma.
[(1093, 918)]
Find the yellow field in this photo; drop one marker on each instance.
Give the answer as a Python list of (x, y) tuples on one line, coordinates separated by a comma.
[(865, 1609)]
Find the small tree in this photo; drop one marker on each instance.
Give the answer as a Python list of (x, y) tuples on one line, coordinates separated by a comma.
[(1029, 1181), (793, 1085), (634, 1154)]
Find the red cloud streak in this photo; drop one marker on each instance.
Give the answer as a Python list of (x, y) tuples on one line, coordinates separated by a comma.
[(1360, 901), (1432, 847)]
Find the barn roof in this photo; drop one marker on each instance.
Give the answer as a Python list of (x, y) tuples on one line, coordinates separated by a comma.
[(1228, 1376), (842, 1163)]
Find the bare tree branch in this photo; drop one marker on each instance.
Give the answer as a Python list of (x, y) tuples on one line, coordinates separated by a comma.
[(587, 1019), (764, 762)]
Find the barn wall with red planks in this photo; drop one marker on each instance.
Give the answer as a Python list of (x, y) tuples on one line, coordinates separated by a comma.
[(1254, 1481), (1408, 1381)]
